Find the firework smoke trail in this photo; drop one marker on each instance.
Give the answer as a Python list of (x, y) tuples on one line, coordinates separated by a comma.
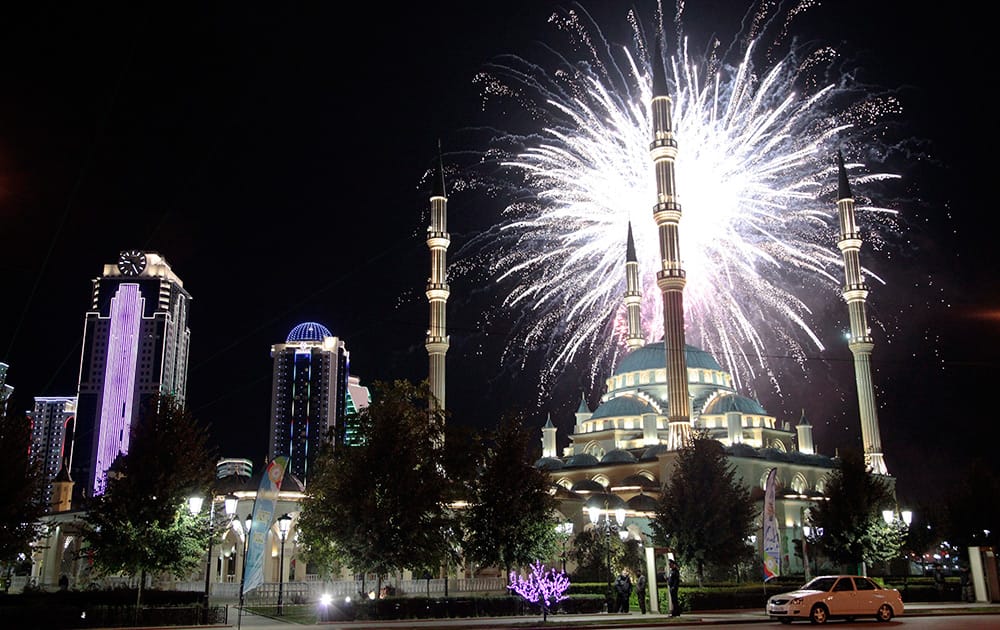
[(755, 177)]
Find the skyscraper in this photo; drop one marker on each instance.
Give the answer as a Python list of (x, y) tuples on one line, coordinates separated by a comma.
[(310, 391), (135, 346), (52, 420)]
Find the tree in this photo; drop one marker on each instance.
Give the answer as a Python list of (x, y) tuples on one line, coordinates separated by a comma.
[(20, 491), (704, 513), (851, 516), (510, 520), (542, 587), (141, 524), (969, 520), (380, 507)]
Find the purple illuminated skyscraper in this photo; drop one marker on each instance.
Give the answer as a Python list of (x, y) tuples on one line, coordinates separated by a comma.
[(135, 345)]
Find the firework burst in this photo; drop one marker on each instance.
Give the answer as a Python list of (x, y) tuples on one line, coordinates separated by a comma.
[(758, 125)]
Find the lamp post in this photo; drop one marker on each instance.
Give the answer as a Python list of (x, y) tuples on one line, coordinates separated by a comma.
[(246, 547), (194, 506), (284, 523), (894, 520), (607, 526), (564, 531), (806, 531)]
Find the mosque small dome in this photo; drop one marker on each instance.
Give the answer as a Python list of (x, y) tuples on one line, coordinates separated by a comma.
[(639, 481), (606, 501), (654, 450), (549, 463), (587, 486), (623, 406), (309, 331), (642, 503), (653, 356), (618, 456), (582, 459), (734, 402)]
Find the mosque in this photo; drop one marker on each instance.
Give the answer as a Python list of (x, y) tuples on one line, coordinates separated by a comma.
[(621, 453)]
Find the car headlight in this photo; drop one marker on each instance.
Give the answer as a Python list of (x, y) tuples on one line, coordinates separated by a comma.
[(796, 601)]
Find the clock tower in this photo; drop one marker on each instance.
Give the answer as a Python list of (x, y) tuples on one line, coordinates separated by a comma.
[(135, 345)]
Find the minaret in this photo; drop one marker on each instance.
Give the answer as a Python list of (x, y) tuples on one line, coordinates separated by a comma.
[(671, 277), (549, 439), (860, 343), (805, 435), (633, 296), (438, 240)]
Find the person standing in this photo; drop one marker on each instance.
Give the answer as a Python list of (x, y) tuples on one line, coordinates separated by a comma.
[(673, 584), (939, 580), (640, 591), (966, 575), (623, 589)]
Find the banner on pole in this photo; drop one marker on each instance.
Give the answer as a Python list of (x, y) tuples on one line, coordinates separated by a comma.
[(770, 537), (263, 517)]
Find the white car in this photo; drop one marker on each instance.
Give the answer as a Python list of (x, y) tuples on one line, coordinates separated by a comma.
[(836, 596)]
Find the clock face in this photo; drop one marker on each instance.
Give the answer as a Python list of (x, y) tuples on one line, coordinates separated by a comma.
[(131, 262)]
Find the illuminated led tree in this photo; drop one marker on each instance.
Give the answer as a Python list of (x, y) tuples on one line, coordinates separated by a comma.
[(542, 587)]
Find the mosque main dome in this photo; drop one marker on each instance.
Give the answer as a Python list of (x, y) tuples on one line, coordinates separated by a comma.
[(653, 356), (308, 331)]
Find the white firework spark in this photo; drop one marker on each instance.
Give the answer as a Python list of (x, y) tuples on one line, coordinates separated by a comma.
[(755, 177)]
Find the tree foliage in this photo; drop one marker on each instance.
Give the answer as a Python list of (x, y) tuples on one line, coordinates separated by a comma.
[(969, 520), (510, 521), (381, 507), (705, 514), (851, 516), (20, 485), (141, 524)]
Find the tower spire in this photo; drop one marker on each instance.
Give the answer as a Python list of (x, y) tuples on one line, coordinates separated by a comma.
[(860, 342), (671, 277), (438, 240), (633, 296)]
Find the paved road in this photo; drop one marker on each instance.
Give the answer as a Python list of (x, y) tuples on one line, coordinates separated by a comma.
[(591, 622)]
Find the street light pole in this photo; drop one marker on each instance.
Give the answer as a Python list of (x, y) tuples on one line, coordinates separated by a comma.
[(208, 561), (806, 531), (284, 523), (595, 519)]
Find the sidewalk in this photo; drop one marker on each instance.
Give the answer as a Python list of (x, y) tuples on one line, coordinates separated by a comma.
[(600, 620)]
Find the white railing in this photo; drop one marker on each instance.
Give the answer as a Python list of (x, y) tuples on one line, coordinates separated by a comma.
[(311, 589)]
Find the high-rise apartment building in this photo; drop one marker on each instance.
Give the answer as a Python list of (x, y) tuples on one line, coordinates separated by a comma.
[(52, 419), (135, 346), (311, 393), (5, 389)]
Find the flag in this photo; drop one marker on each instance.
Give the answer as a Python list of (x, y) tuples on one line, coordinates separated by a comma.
[(770, 537), (263, 516)]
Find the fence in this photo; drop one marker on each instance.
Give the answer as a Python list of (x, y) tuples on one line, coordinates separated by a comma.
[(311, 589)]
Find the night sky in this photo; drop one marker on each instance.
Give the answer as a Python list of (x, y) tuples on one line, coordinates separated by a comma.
[(275, 153)]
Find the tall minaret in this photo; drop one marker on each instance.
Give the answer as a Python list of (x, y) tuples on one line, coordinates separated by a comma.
[(671, 277), (633, 296), (438, 240), (861, 344)]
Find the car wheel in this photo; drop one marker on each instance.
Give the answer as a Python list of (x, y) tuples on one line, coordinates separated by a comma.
[(818, 614), (884, 613)]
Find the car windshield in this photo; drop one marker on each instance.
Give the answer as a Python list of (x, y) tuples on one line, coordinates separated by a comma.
[(819, 584)]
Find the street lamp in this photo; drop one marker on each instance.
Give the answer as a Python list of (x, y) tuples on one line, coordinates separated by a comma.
[(893, 521), (194, 505), (608, 526), (564, 530), (806, 532), (246, 548), (284, 523)]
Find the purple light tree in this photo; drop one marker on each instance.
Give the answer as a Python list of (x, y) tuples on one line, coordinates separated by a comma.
[(542, 587)]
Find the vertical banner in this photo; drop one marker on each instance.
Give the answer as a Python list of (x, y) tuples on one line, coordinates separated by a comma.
[(770, 542), (263, 516)]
